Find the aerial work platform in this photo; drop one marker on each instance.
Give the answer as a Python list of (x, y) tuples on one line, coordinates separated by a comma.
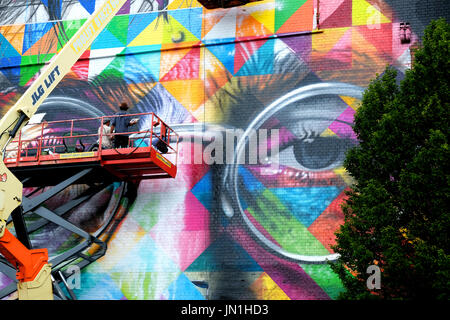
[(50, 157), (49, 152)]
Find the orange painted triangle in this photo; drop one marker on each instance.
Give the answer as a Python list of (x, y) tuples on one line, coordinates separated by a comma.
[(323, 43), (248, 27), (186, 68), (371, 62), (301, 20), (342, 50), (169, 59), (189, 93), (210, 19), (48, 43), (14, 34), (360, 44)]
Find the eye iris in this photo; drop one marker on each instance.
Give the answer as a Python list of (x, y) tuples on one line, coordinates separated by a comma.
[(317, 153)]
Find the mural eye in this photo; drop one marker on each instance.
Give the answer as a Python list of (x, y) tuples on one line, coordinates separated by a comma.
[(315, 153), (288, 195)]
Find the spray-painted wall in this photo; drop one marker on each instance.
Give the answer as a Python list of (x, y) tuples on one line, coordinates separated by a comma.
[(294, 68)]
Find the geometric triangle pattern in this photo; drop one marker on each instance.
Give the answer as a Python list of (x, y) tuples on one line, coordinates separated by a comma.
[(266, 289), (285, 11), (7, 49), (300, 20), (34, 33), (213, 258), (306, 204), (89, 5), (189, 64), (253, 64), (339, 17), (364, 13)]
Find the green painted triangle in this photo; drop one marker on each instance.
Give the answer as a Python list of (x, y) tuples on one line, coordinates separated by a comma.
[(326, 278), (119, 28), (145, 214), (285, 10), (289, 232), (30, 65), (115, 69), (68, 29)]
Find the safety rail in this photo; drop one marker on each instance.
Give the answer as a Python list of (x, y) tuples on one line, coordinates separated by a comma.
[(37, 142)]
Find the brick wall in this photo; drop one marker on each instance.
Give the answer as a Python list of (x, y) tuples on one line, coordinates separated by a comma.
[(277, 67)]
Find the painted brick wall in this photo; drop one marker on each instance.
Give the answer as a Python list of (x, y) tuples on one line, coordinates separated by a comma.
[(292, 71)]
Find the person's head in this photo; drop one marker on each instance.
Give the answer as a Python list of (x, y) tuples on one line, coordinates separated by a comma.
[(123, 106), (107, 122)]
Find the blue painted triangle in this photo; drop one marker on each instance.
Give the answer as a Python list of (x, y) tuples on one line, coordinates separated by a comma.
[(148, 60), (10, 67), (138, 71), (7, 50), (34, 32), (202, 191), (137, 23), (89, 5), (224, 254), (56, 13), (106, 40), (183, 289), (307, 203), (261, 62), (191, 20), (224, 51)]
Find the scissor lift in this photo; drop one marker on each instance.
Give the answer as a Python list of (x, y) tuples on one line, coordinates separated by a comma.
[(64, 153)]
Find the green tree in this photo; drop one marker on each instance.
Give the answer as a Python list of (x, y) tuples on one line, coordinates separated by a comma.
[(397, 211)]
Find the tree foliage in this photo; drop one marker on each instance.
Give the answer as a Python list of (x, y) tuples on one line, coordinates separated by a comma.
[(397, 213)]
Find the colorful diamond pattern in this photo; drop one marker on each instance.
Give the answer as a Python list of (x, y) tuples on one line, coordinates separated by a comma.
[(163, 242)]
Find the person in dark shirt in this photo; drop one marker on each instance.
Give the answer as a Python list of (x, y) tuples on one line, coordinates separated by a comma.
[(158, 142), (120, 125)]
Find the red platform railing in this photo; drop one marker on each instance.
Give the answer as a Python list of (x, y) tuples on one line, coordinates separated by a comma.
[(41, 142)]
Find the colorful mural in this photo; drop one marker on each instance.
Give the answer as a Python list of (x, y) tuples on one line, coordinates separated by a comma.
[(292, 67)]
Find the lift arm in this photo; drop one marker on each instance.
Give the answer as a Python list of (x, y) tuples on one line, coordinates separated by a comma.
[(32, 265)]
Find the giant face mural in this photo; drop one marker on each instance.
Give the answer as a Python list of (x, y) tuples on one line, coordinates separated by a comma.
[(292, 70)]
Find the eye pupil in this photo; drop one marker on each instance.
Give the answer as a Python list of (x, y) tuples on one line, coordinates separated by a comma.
[(317, 153)]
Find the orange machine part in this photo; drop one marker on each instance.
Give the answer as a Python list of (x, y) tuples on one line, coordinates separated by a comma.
[(28, 262)]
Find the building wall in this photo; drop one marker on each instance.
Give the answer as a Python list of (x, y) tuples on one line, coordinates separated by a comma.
[(297, 66)]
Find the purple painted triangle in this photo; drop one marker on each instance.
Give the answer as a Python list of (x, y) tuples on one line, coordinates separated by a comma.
[(125, 8), (300, 45)]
